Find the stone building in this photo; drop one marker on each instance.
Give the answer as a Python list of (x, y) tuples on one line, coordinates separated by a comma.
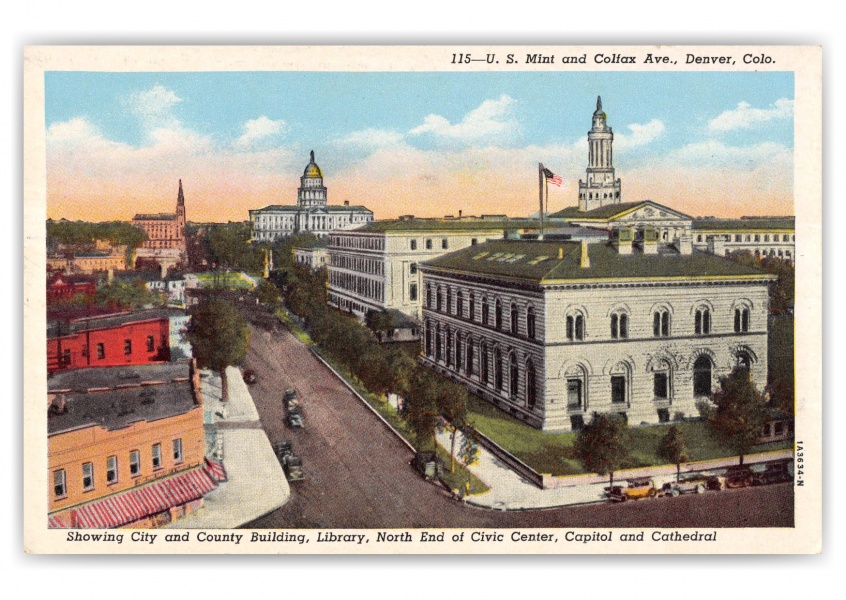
[(601, 186), (552, 331), (311, 214), (165, 245)]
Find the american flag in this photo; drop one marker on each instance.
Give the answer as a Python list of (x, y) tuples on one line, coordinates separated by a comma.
[(553, 178)]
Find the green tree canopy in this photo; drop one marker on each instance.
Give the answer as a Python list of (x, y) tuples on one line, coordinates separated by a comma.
[(219, 336), (673, 448), (740, 413), (127, 294), (602, 445)]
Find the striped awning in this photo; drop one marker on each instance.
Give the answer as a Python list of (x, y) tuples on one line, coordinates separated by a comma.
[(133, 505), (216, 470), (54, 522)]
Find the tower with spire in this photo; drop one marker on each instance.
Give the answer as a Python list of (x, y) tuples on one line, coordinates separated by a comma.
[(601, 187), (180, 210), (312, 192)]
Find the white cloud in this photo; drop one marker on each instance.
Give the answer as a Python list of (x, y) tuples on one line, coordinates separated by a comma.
[(372, 139), (713, 153), (491, 120), (641, 134), (155, 106), (261, 129), (745, 115)]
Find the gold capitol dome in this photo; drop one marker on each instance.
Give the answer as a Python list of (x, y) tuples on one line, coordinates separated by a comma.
[(312, 171)]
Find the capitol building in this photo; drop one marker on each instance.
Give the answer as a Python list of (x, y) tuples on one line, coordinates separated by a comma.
[(312, 213)]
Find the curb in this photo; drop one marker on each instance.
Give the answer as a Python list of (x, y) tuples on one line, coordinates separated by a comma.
[(365, 402)]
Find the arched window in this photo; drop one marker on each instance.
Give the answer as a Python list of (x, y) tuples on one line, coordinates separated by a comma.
[(515, 316), (469, 362), (530, 323), (471, 307), (448, 347), (497, 368), (498, 314), (531, 384), (459, 303), (702, 376), (619, 325), (619, 384), (741, 319), (575, 326), (702, 321), (429, 296), (485, 310), (662, 380), (428, 327), (483, 362), (743, 360), (575, 388), (458, 352), (661, 323), (448, 307), (513, 375), (439, 299), (438, 343)]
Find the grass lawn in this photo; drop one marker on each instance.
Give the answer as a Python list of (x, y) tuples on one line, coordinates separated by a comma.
[(294, 327), (548, 452), (231, 280)]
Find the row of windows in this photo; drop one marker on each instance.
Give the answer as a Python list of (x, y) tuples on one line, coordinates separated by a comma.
[(364, 243), (429, 243), (443, 303), (357, 263), (749, 237), (590, 195), (100, 349), (362, 286), (60, 489)]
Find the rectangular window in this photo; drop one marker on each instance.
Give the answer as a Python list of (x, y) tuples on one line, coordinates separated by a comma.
[(413, 244), (428, 244), (474, 241), (151, 343), (157, 456), (134, 463), (60, 488), (413, 268), (87, 476), (177, 450), (661, 386), (738, 238), (618, 388), (412, 292), (127, 347), (101, 351), (111, 469), (444, 244), (574, 393)]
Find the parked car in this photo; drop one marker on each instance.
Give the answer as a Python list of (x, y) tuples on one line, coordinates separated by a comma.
[(250, 376), (292, 402), (687, 484), (634, 489), (293, 467), (773, 473), (738, 476), (716, 482), (295, 420), (283, 449)]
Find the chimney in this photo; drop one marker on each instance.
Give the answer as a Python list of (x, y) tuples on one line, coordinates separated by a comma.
[(686, 243), (623, 238), (585, 262), (717, 245), (460, 212), (346, 202), (650, 241)]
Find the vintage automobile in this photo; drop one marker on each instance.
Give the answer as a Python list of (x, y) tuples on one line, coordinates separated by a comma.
[(716, 482), (293, 467), (634, 489), (295, 420), (250, 376), (291, 400), (773, 473), (738, 476), (429, 465), (687, 484), (283, 449)]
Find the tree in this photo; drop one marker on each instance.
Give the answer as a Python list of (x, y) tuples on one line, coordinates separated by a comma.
[(421, 411), (673, 448), (601, 445), (468, 450), (219, 336), (740, 412), (268, 294), (452, 405), (127, 294)]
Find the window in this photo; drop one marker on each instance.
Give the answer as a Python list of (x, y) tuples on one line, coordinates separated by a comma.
[(474, 241), (177, 450), (459, 303), (619, 325), (412, 292), (757, 238), (577, 422), (127, 347), (60, 488), (471, 307), (530, 323), (448, 307), (743, 360), (702, 321), (428, 244), (429, 296), (575, 327), (661, 388), (438, 300), (428, 327), (438, 342), (574, 394), (444, 244), (458, 352), (413, 268), (663, 415), (741, 320), (413, 244), (618, 389), (111, 469), (87, 476), (738, 238), (531, 384), (469, 362), (134, 463), (483, 361), (515, 316), (151, 343), (484, 311), (498, 314), (497, 369), (101, 351), (661, 323), (448, 347), (513, 375), (702, 376), (157, 456)]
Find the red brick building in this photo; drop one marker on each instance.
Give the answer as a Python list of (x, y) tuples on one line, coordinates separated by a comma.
[(128, 338), (64, 287)]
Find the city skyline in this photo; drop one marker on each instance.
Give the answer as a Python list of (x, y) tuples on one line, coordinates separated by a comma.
[(423, 143)]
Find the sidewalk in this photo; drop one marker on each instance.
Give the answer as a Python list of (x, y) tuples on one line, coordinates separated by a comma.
[(255, 482), (508, 491)]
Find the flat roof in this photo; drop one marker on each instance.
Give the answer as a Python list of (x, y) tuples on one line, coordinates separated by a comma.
[(126, 395), (538, 261), (446, 225), (610, 211), (60, 327), (746, 224)]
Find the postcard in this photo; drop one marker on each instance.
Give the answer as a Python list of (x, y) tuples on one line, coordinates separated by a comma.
[(423, 299)]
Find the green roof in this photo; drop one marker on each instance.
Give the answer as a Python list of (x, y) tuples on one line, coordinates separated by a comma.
[(539, 262), (608, 211), (779, 223), (447, 225), (322, 242)]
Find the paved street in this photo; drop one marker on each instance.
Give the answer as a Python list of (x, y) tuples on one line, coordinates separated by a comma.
[(358, 476)]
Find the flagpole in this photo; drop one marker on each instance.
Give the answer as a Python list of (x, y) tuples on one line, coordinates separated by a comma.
[(540, 194)]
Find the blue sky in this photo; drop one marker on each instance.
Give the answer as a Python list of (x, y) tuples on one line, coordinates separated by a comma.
[(259, 127)]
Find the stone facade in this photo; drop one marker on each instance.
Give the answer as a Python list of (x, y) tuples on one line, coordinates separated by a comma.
[(601, 186), (165, 243)]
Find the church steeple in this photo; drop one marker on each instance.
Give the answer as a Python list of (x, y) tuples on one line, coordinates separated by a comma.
[(180, 199), (180, 209)]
